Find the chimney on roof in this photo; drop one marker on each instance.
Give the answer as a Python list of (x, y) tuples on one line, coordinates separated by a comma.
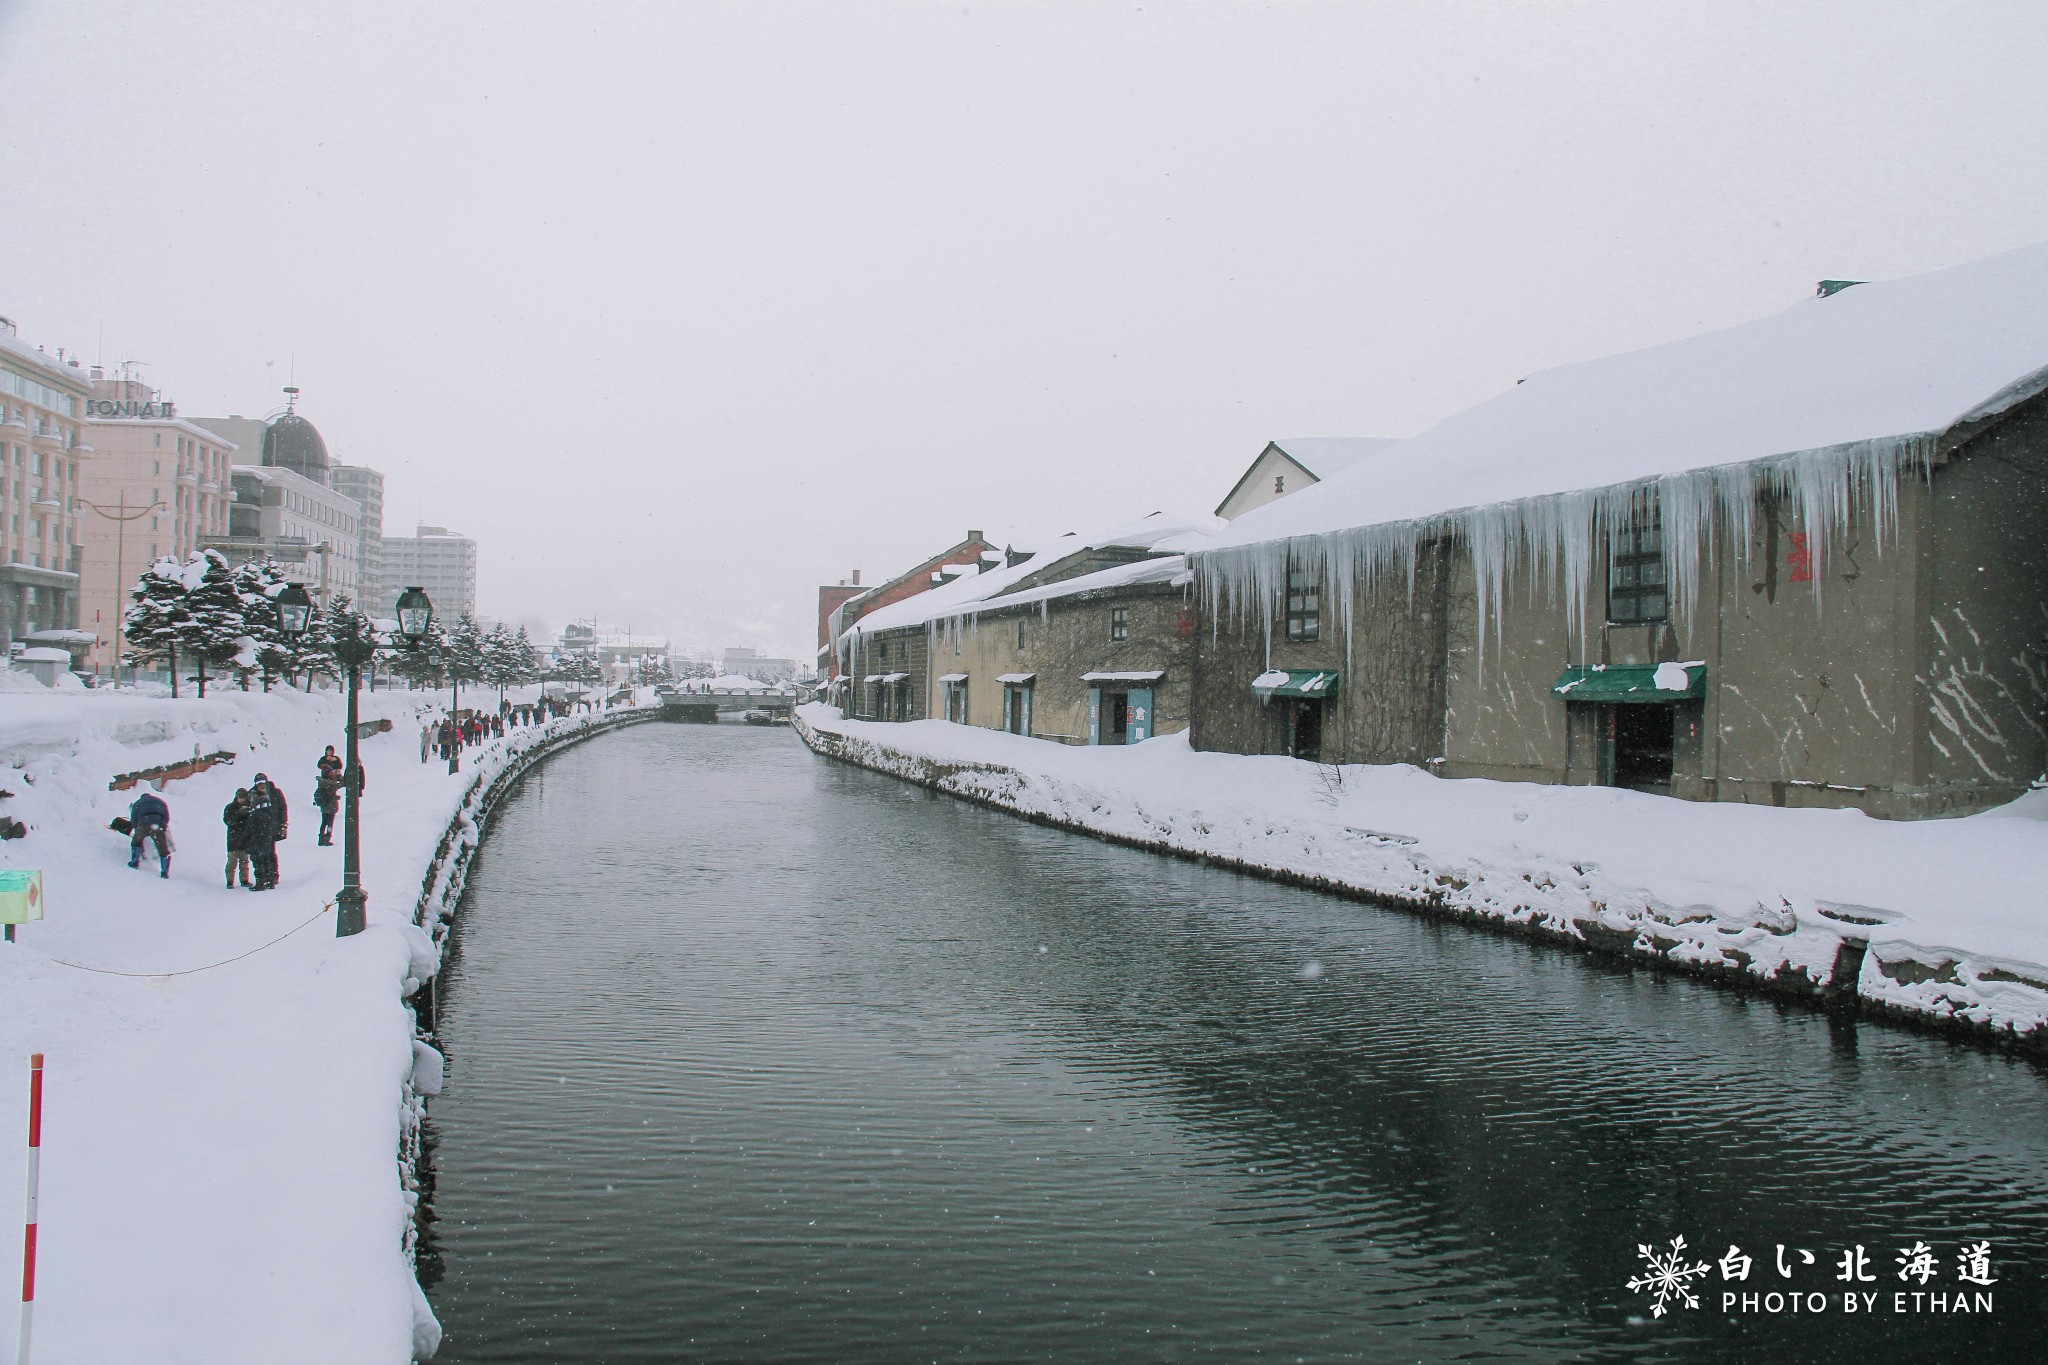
[(856, 578), (974, 535)]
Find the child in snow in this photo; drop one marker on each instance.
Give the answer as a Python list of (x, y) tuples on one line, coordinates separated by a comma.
[(149, 818), (235, 815)]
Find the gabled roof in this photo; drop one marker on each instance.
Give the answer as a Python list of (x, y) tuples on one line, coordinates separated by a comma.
[(1899, 359), (991, 588), (1316, 456), (1324, 456)]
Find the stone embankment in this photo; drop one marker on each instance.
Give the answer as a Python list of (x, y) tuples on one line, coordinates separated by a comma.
[(497, 770), (1743, 896)]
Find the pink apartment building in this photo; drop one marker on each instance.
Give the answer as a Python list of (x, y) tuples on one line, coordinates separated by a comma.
[(155, 485)]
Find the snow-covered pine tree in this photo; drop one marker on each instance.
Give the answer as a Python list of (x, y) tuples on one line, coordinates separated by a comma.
[(156, 617), (527, 657), (212, 630), (347, 629), (465, 649), (578, 666), (316, 649), (499, 664), (418, 666), (257, 583)]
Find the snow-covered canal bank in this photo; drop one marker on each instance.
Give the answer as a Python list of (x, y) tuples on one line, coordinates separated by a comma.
[(1941, 921), (227, 1083), (754, 1057)]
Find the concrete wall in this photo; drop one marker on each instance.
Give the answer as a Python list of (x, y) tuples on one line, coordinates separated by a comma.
[(1979, 687)]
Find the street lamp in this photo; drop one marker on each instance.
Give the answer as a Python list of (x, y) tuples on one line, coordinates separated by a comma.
[(294, 611), (355, 644), (354, 641), (415, 613)]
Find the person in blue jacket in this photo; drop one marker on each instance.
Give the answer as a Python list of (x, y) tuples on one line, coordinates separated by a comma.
[(149, 818)]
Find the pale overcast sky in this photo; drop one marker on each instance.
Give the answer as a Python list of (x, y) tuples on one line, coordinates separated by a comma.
[(682, 309)]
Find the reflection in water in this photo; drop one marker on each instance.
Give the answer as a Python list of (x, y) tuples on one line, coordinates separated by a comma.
[(758, 1058)]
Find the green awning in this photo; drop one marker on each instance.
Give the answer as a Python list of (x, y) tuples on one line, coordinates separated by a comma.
[(1632, 682), (1295, 682)]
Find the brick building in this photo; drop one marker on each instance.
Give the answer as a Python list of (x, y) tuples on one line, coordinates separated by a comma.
[(965, 558)]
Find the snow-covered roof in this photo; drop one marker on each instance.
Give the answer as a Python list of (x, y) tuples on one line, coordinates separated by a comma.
[(1902, 358), (1164, 569), (67, 637), (1015, 679), (1323, 456), (47, 367), (974, 592), (1129, 675), (951, 677), (42, 656)]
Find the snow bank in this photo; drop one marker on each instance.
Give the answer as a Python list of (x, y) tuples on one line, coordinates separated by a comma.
[(229, 1087), (1939, 919)]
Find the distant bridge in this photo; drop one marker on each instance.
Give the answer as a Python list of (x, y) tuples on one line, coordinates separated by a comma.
[(710, 703)]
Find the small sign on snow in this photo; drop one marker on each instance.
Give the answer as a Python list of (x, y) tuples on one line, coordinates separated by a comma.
[(21, 895)]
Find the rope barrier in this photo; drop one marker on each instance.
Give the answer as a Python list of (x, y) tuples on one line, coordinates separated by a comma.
[(189, 971)]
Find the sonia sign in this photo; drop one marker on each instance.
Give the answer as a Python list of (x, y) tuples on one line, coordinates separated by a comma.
[(128, 407)]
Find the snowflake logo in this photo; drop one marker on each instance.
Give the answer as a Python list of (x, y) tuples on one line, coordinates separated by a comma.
[(1667, 1276)]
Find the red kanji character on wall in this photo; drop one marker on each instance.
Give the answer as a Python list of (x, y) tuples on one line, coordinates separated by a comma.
[(1800, 557)]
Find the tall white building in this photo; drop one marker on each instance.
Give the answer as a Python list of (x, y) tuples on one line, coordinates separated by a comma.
[(366, 486), (307, 527), (437, 560)]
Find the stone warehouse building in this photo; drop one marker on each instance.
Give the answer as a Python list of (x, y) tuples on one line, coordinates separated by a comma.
[(1085, 639), (839, 610), (1798, 562)]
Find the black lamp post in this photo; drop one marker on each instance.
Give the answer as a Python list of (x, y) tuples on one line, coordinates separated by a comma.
[(353, 643)]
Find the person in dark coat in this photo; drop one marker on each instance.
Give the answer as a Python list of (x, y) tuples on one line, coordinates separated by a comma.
[(268, 823), (327, 793), (235, 815), (149, 818)]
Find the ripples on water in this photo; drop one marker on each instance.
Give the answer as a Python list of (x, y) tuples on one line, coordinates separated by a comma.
[(757, 1058)]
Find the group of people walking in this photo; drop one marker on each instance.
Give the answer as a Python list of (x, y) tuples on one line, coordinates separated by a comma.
[(450, 735), (256, 820)]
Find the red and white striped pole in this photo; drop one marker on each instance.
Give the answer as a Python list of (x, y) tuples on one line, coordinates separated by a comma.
[(35, 1161)]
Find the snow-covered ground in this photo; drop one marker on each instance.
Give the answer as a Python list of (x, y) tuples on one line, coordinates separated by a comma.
[(1953, 911), (220, 1176)]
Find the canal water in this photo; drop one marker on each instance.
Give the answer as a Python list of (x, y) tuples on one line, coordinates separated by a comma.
[(753, 1057)]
